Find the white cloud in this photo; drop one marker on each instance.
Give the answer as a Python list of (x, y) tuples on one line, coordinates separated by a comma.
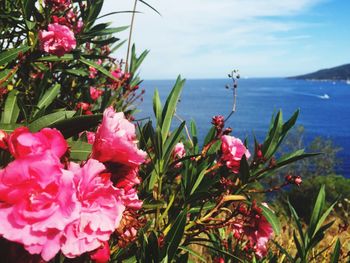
[(206, 38)]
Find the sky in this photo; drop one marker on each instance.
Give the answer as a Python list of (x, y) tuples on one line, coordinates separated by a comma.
[(261, 38)]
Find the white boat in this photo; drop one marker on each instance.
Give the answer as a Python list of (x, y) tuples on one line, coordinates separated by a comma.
[(347, 81), (324, 97)]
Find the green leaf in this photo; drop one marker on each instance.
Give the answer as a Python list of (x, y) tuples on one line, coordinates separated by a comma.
[(98, 67), (11, 54), (153, 204), (170, 107), (73, 126), (50, 120), (273, 138), (157, 108), (77, 72), (323, 218), (198, 180), (94, 8), (155, 10), (11, 109), (336, 252), (244, 170), (174, 236), (51, 58), (297, 221), (48, 98), (290, 258), (318, 209), (136, 61), (28, 6), (171, 141), (6, 127), (272, 219), (79, 150), (103, 32)]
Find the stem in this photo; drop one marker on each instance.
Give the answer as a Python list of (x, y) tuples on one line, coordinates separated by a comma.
[(130, 35), (186, 129)]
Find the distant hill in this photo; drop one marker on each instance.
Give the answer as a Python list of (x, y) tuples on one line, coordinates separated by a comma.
[(336, 73)]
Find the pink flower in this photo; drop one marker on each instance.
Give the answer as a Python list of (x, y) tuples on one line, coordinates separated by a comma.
[(259, 234), (58, 40), (232, 151), (179, 152), (37, 202), (23, 143), (102, 254), (117, 73), (116, 140), (101, 210), (95, 93), (92, 72), (3, 140)]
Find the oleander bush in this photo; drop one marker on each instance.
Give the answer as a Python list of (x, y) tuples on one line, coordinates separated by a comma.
[(82, 181)]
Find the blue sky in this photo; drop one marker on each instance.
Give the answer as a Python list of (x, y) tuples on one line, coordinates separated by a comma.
[(261, 38)]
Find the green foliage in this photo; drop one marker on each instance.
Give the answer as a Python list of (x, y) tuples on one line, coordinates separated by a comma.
[(308, 239), (335, 186)]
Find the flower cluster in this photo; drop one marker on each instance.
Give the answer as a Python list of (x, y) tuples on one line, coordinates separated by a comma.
[(252, 228), (50, 206)]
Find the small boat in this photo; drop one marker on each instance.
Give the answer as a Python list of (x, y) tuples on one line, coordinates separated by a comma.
[(324, 97), (347, 81)]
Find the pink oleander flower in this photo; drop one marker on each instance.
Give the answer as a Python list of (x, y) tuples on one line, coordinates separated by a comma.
[(259, 233), (117, 73), (95, 93), (125, 178), (102, 208), (58, 40), (116, 140), (102, 254), (92, 72), (3, 140), (232, 151), (179, 152), (37, 201), (23, 143)]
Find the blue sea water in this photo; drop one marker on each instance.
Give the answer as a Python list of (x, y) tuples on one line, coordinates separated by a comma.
[(324, 107)]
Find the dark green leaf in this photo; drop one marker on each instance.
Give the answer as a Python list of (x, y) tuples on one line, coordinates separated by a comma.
[(174, 236), (170, 106), (50, 120), (336, 252), (79, 150), (272, 219), (49, 96), (11, 109), (73, 126), (11, 54)]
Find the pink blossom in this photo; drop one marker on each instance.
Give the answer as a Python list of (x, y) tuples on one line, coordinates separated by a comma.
[(232, 151), (3, 139), (101, 210), (23, 143), (179, 152), (102, 254), (116, 140), (117, 73), (95, 93), (58, 40), (259, 233), (37, 202), (92, 72)]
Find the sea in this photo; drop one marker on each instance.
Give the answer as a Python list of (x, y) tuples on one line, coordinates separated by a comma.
[(324, 107)]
